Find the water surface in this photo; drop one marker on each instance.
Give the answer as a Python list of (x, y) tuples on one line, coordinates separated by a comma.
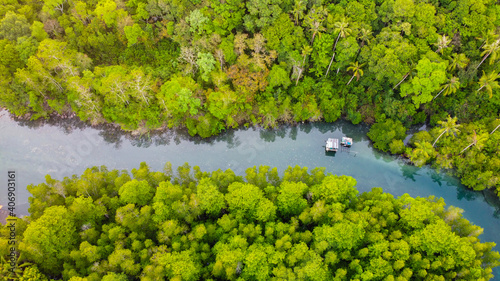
[(65, 147)]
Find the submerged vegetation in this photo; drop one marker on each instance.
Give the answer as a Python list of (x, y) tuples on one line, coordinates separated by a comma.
[(195, 225)]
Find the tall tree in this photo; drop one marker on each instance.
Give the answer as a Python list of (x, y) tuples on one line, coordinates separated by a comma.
[(458, 61), (450, 87), (314, 21), (219, 55), (189, 55), (51, 6), (206, 62), (240, 43), (197, 20), (136, 192), (113, 84), (306, 50), (342, 27), (408, 74), (298, 10), (50, 238), (178, 99), (365, 35), (429, 76), (261, 13), (488, 36), (442, 43), (495, 129), (449, 126), (47, 73), (422, 153), (476, 140), (13, 26), (87, 104), (488, 81), (140, 85), (490, 49), (356, 71)]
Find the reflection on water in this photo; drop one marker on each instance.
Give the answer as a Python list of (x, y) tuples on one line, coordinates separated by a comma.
[(232, 140), (115, 136), (409, 172), (118, 140), (63, 147)]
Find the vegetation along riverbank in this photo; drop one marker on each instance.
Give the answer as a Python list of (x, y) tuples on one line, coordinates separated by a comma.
[(211, 65), (196, 225)]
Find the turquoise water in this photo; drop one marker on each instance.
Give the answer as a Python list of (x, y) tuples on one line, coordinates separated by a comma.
[(68, 147)]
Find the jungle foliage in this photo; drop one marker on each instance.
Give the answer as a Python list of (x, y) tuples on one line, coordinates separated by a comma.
[(195, 225), (212, 65)]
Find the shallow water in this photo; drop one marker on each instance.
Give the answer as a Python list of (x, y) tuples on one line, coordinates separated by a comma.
[(65, 147)]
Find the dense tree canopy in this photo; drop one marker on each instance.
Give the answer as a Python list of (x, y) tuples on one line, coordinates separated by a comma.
[(112, 225), (211, 65)]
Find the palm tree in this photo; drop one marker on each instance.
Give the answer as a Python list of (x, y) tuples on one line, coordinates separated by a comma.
[(450, 87), (298, 10), (12, 273), (447, 127), (442, 43), (356, 70), (488, 36), (402, 80), (317, 28), (495, 129), (314, 20), (489, 82), (422, 153), (342, 28), (477, 141), (365, 35), (409, 73), (306, 50), (490, 49), (458, 60)]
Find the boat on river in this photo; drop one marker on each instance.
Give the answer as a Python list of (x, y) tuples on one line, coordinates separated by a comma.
[(347, 142), (332, 144)]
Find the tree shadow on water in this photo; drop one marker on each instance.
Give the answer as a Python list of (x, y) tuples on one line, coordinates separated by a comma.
[(435, 176), (465, 193), (305, 127), (293, 133), (491, 198), (112, 137), (324, 127), (67, 124), (409, 171), (281, 131), (267, 135)]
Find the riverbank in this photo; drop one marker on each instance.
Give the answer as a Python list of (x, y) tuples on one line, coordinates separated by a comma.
[(446, 155), (261, 211), (63, 150)]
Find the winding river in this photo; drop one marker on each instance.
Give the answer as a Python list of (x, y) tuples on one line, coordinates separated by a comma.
[(62, 148)]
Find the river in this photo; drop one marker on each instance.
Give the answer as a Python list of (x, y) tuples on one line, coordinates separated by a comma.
[(62, 148)]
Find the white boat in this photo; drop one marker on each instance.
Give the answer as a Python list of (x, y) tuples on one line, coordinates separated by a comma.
[(346, 141), (332, 144)]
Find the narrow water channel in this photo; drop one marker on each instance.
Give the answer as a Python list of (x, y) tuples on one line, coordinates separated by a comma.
[(66, 147)]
